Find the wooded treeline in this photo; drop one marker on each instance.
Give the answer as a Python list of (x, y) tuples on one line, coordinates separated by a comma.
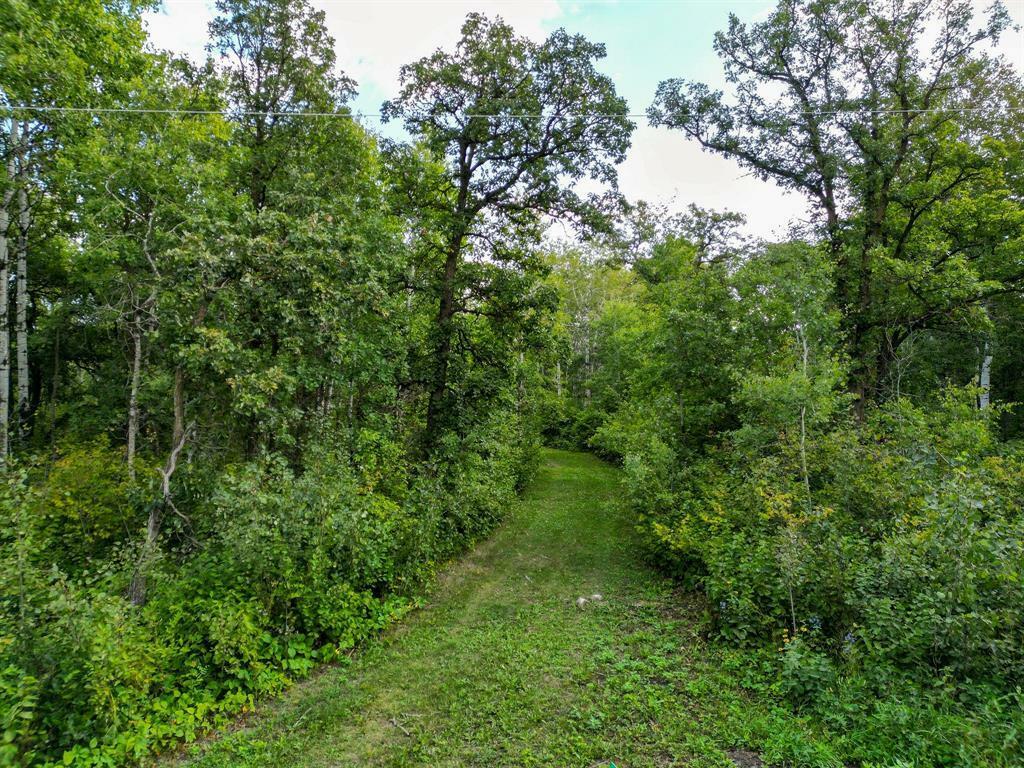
[(261, 370), (267, 370), (820, 434)]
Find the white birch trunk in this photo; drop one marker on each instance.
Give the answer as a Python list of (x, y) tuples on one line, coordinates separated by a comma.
[(985, 377), (5, 327), (21, 299)]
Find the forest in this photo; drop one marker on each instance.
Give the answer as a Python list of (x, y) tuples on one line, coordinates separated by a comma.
[(264, 370)]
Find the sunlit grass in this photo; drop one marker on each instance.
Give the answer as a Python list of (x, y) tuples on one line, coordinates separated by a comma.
[(502, 668)]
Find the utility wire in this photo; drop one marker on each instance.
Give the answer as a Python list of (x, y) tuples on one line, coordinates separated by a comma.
[(357, 115)]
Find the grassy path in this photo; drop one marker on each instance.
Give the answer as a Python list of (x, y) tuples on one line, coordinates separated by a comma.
[(501, 668)]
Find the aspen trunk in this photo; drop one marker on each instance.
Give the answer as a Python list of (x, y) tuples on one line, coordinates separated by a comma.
[(558, 378), (5, 323), (137, 588), (985, 377), (21, 299)]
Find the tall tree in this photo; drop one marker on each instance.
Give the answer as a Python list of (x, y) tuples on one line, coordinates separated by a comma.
[(311, 252), (516, 124), (21, 279), (10, 182), (279, 59), (53, 54), (884, 137)]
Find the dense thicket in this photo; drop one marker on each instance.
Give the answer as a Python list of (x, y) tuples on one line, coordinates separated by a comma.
[(820, 433), (264, 371), (261, 370)]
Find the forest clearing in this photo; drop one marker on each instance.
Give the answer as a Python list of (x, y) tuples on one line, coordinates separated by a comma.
[(496, 383)]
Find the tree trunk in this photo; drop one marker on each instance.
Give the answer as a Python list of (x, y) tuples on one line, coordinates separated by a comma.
[(446, 310), (350, 419), (137, 588), (558, 378), (442, 352), (803, 425), (521, 383), (21, 300), (5, 326), (133, 396), (54, 385), (985, 377), (865, 370), (586, 365), (408, 295)]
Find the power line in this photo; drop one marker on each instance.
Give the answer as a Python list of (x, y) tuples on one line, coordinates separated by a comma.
[(158, 111), (534, 116), (272, 113)]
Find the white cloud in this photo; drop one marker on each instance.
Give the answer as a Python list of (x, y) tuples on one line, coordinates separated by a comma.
[(374, 39), (1012, 43), (664, 166), (180, 26)]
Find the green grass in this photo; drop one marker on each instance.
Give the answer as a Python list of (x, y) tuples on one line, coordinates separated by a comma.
[(501, 668)]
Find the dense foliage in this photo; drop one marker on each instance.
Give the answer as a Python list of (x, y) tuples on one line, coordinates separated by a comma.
[(270, 371), (261, 371), (820, 433), (882, 557)]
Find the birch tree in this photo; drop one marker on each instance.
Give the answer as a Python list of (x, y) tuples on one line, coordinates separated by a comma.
[(52, 54), (21, 281), (10, 183)]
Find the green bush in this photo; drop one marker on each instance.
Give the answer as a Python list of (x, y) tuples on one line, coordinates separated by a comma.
[(86, 501), (18, 698), (296, 564), (896, 591)]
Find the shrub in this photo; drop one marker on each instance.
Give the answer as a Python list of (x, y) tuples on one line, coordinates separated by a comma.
[(86, 504), (901, 572), (295, 565)]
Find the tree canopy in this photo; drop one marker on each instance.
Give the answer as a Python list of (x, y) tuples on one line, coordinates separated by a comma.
[(263, 370), (889, 137)]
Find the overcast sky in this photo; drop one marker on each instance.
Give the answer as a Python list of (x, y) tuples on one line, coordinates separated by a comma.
[(647, 40)]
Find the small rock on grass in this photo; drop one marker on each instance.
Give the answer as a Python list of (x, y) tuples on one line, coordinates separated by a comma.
[(744, 758)]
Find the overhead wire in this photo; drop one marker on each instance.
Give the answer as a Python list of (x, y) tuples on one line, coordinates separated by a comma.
[(13, 108)]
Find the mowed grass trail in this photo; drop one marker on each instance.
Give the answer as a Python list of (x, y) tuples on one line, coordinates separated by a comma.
[(501, 668)]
